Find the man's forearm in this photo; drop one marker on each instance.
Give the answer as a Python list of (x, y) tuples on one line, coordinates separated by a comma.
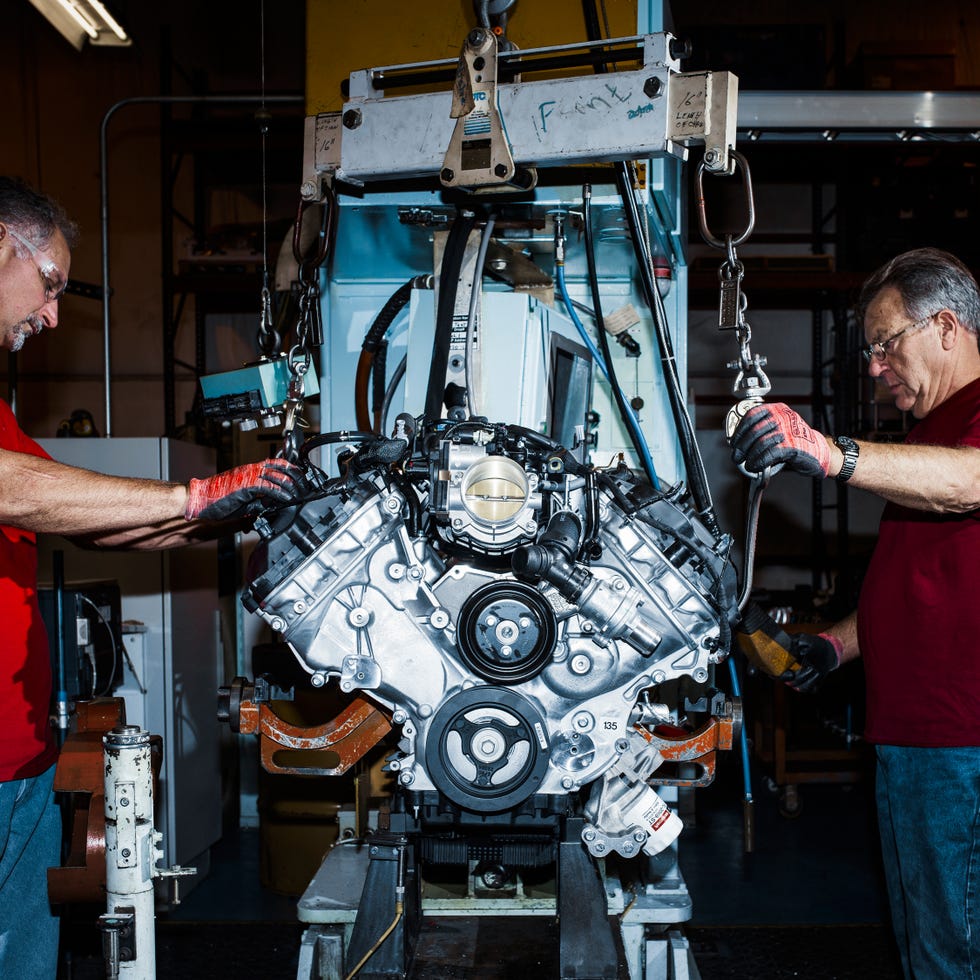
[(942, 479), (41, 495)]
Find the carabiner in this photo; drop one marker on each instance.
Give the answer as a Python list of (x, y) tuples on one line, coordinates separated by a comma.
[(730, 241)]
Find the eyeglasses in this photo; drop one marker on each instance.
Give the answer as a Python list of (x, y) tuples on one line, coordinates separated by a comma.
[(880, 349), (51, 276)]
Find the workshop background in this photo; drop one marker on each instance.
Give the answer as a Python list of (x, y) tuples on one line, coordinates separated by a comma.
[(185, 231), (185, 190)]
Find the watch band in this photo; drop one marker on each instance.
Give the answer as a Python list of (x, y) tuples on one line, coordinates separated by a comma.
[(851, 451)]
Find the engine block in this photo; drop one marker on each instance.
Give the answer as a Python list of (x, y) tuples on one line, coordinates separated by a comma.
[(513, 609)]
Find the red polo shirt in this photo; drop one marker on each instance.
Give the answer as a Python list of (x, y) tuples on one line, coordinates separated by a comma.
[(27, 745), (919, 616)]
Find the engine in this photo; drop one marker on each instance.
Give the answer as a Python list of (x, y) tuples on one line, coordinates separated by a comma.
[(516, 611)]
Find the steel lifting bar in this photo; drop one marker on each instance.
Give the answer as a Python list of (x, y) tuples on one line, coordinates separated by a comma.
[(624, 115)]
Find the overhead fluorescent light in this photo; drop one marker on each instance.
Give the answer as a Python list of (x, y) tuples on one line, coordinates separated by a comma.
[(79, 21)]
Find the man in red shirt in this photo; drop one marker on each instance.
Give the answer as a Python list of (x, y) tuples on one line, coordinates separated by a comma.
[(38, 494), (917, 626)]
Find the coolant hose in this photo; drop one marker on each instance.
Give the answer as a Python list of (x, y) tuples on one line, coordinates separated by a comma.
[(374, 336)]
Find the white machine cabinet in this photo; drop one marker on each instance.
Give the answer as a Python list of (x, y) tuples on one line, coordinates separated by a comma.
[(177, 652)]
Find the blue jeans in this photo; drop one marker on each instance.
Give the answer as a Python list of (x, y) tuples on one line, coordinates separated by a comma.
[(929, 818), (30, 843)]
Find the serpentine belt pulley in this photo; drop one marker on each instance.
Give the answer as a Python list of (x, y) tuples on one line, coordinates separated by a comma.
[(506, 632), (487, 749)]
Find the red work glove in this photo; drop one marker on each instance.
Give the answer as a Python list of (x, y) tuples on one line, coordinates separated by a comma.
[(244, 491), (774, 434)]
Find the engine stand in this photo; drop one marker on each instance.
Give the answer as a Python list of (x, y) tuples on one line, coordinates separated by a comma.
[(587, 946)]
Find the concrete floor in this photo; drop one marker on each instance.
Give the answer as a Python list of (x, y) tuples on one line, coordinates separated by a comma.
[(808, 901)]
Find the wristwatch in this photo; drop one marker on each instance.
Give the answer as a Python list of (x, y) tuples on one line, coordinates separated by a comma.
[(851, 450)]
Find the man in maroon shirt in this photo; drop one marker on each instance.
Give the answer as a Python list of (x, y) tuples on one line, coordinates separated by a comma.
[(917, 626), (38, 494)]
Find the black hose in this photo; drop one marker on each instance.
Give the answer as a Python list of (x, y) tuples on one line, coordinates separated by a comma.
[(396, 378), (452, 264), (629, 420), (328, 438), (378, 370), (693, 464), (414, 520), (370, 346), (390, 310), (590, 548)]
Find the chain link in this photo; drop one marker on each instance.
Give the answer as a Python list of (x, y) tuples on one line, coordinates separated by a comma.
[(309, 327), (751, 384)]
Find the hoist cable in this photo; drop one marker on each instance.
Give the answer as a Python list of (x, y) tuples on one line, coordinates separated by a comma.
[(268, 337)]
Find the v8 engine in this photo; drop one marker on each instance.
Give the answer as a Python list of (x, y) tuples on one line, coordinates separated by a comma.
[(515, 611)]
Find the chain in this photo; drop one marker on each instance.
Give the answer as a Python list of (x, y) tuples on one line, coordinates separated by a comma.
[(309, 328), (299, 360), (751, 384), (268, 338)]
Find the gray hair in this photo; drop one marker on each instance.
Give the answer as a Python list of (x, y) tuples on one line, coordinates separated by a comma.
[(34, 215), (928, 280)]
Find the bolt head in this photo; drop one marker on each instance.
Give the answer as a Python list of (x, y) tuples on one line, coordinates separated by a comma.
[(352, 118), (500, 170), (652, 87), (447, 176)]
